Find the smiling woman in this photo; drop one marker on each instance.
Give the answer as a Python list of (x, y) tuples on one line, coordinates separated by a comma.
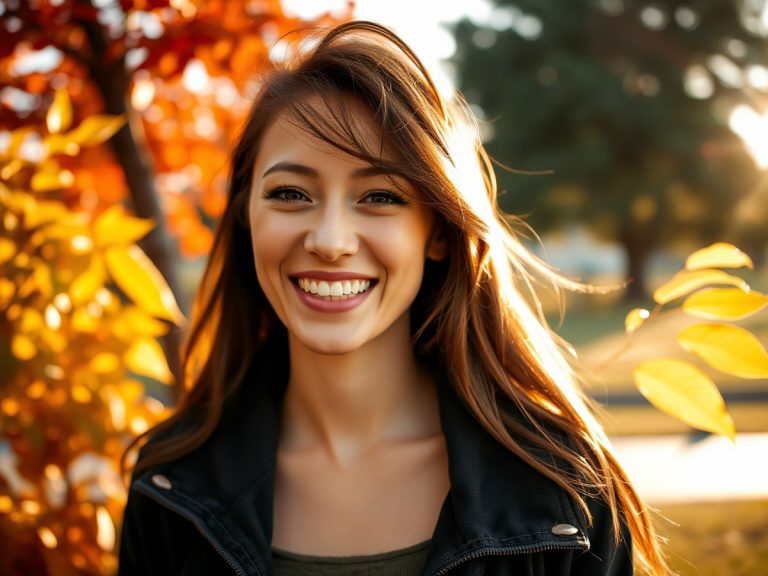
[(369, 389)]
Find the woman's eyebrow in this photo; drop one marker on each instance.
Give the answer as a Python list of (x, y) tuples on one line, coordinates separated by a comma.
[(292, 168), (365, 172)]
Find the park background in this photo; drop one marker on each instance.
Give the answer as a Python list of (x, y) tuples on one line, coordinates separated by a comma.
[(636, 133)]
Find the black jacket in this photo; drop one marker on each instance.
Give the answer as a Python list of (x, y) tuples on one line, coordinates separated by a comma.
[(211, 512)]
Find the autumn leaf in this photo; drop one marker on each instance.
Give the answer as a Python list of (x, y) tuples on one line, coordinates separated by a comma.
[(135, 274), (681, 390), (23, 347), (43, 212), (52, 179), (726, 348), (724, 303), (718, 255), (7, 250), (635, 319), (59, 115), (114, 226), (88, 283), (132, 322), (686, 282), (95, 130), (145, 357)]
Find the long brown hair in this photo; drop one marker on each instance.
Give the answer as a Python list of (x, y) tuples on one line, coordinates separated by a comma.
[(477, 310)]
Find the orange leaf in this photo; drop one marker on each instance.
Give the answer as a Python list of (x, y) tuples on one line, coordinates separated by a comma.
[(59, 115)]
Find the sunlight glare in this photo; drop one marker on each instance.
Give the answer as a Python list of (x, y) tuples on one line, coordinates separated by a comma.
[(752, 128)]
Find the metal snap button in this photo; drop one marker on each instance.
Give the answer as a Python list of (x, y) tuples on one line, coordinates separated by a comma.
[(161, 481), (564, 530)]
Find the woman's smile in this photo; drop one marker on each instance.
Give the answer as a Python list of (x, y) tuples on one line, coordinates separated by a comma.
[(332, 296)]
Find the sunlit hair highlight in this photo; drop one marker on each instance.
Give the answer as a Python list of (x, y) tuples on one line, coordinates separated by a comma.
[(477, 312)]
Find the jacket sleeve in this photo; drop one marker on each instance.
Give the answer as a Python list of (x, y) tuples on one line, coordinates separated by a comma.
[(140, 538), (606, 556)]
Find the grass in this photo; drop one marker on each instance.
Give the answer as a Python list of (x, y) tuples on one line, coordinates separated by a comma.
[(717, 539)]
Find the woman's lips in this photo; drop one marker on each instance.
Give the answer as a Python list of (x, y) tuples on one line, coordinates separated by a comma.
[(332, 295)]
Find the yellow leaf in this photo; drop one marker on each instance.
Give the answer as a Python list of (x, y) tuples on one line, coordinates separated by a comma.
[(684, 392), (635, 319), (87, 284), (59, 115), (724, 303), (146, 357), (9, 170), (104, 363), (43, 212), (685, 282), (131, 390), (46, 181), (31, 321), (41, 275), (138, 278), (18, 137), (7, 250), (7, 290), (68, 225), (95, 130), (84, 321), (729, 349), (718, 255), (114, 226), (23, 347), (133, 322), (55, 341)]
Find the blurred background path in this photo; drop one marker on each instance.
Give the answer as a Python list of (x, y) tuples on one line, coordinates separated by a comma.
[(696, 468)]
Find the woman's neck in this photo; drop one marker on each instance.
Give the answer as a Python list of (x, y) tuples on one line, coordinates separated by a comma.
[(347, 404)]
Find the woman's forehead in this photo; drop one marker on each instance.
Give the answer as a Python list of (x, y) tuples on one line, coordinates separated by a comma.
[(343, 122)]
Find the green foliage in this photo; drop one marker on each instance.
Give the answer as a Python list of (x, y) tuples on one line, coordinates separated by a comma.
[(602, 96)]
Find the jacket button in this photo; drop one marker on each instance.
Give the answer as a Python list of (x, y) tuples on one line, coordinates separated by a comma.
[(161, 481), (564, 530)]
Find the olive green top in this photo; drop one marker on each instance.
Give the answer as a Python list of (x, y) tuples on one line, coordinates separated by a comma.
[(404, 562)]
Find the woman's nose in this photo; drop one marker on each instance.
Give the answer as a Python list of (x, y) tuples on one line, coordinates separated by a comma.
[(332, 235)]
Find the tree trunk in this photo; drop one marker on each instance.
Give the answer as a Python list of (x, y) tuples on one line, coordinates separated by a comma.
[(636, 248), (110, 77)]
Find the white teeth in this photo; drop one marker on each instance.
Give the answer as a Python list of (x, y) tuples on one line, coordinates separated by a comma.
[(341, 289)]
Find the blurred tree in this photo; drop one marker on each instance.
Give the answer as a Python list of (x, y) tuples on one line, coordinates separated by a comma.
[(178, 70), (627, 102), (102, 104)]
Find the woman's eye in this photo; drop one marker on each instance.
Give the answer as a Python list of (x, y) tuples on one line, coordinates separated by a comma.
[(383, 197), (287, 194)]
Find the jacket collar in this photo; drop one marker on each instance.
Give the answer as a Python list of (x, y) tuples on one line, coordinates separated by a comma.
[(497, 503)]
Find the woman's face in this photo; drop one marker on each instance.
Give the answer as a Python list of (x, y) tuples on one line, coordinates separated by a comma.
[(339, 249)]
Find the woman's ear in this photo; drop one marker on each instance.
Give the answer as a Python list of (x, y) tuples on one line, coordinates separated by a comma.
[(437, 245)]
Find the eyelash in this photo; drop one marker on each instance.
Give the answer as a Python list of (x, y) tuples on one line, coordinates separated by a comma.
[(392, 197), (279, 193)]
